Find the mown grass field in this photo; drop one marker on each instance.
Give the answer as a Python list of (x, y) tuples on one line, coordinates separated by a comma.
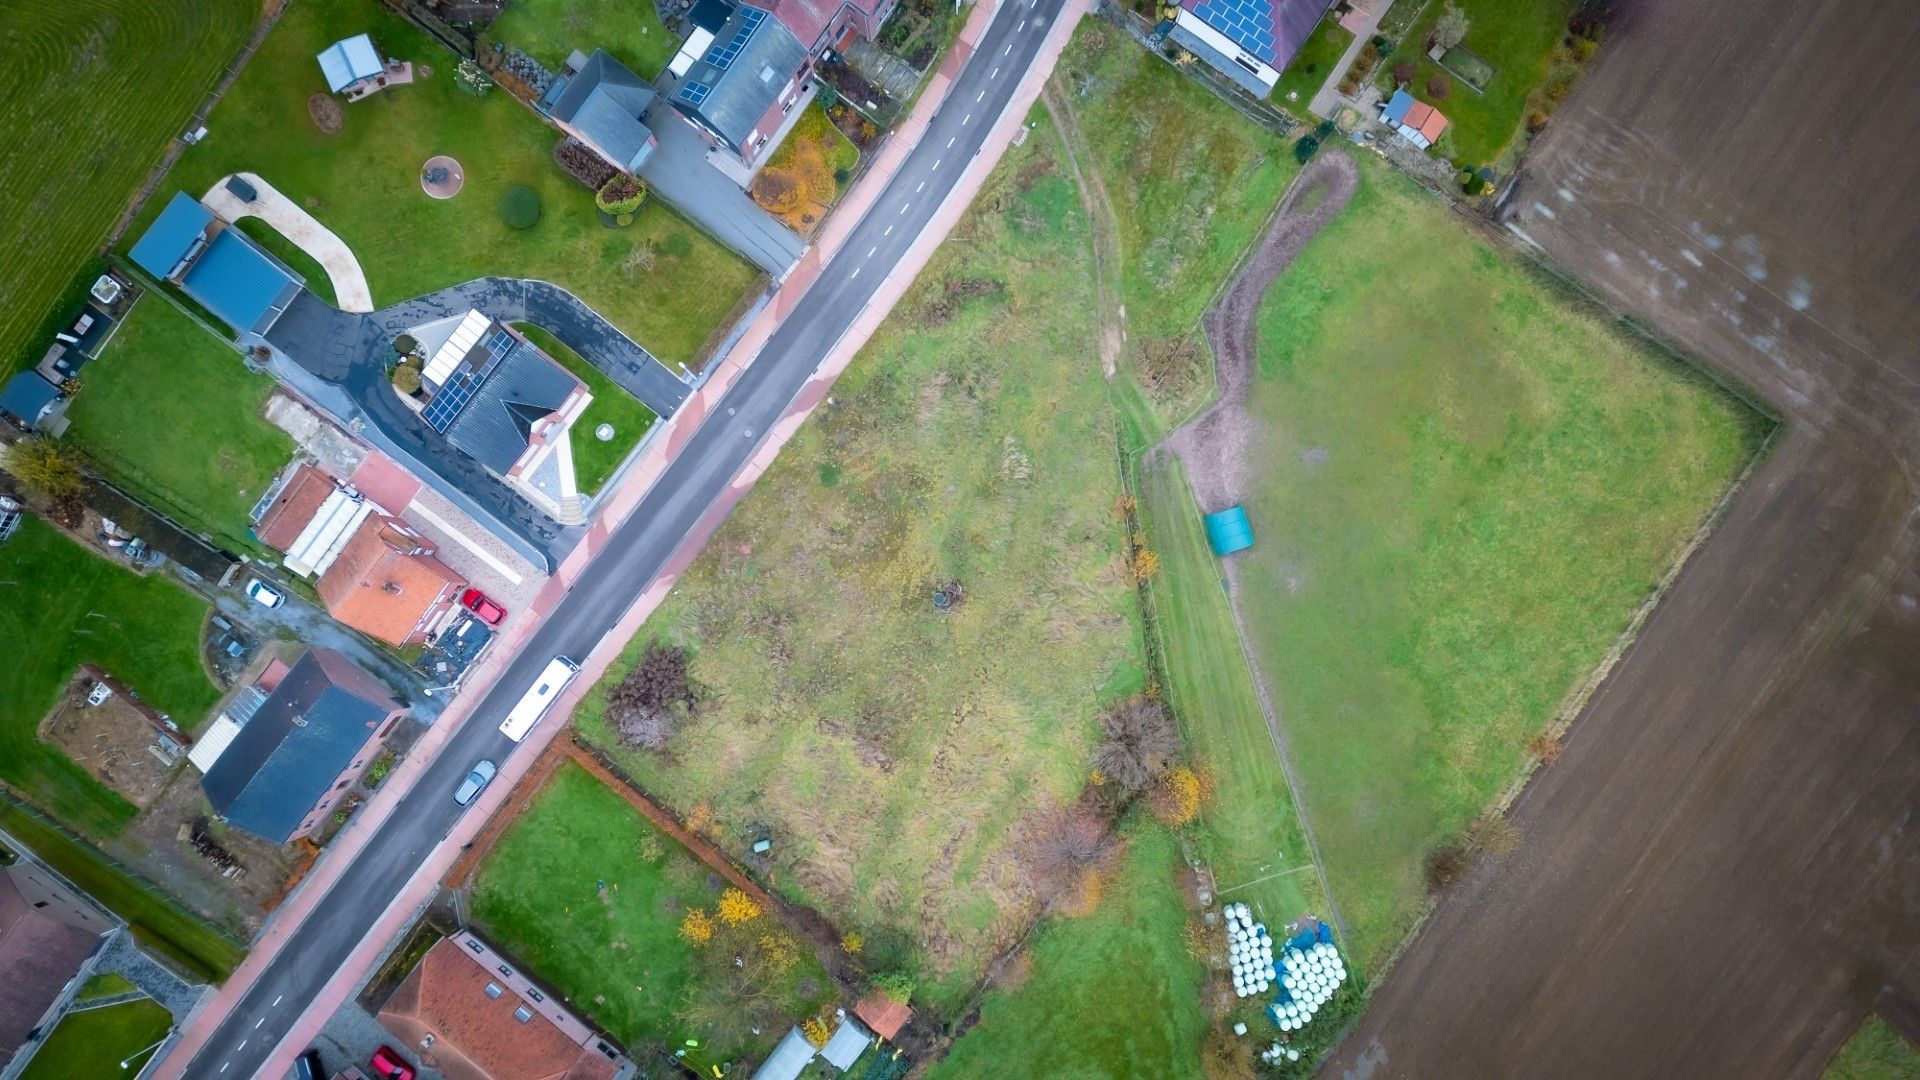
[(1473, 483), (173, 415), (1111, 994), (1875, 1052), (894, 751), (590, 895), (1515, 36), (364, 184), (185, 940), (65, 606), (93, 1044), (1311, 66), (548, 30), (594, 460), (94, 91)]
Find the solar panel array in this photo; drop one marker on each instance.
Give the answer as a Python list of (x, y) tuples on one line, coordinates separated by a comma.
[(1248, 22), (459, 389), (723, 53)]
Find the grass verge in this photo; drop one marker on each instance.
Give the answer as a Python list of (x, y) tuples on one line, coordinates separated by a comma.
[(548, 30), (591, 896), (114, 1041), (1470, 485), (593, 459), (1875, 1052), (364, 184), (174, 416), (72, 164), (66, 606), (183, 939)]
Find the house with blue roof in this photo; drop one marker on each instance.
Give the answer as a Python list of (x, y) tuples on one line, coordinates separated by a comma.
[(291, 744), (1249, 41), (217, 265), (602, 106)]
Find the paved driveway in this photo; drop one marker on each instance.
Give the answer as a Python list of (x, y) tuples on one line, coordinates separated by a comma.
[(561, 314), (678, 170)]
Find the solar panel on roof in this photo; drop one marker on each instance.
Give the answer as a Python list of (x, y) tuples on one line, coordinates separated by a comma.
[(694, 93), (460, 388), (1248, 23), (722, 55)]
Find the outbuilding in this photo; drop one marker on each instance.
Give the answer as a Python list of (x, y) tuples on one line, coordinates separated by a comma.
[(1228, 531)]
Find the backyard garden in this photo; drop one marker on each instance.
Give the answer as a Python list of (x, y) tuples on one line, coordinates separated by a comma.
[(908, 627), (73, 165), (171, 413), (114, 1041), (518, 214), (807, 173), (548, 30), (637, 932), (1310, 67), (1472, 484), (594, 458)]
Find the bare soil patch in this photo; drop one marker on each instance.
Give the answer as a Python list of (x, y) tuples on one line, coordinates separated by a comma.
[(1217, 445), (325, 112), (116, 741)]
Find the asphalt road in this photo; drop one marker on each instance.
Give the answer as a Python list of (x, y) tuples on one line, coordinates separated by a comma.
[(635, 554)]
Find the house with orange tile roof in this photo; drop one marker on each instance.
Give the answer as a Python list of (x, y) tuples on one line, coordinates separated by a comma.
[(470, 1013), (1412, 119), (387, 584)]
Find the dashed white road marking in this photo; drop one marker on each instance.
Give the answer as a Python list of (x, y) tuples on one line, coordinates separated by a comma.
[(888, 231), (996, 73), (1009, 50), (257, 1023), (872, 249), (903, 206), (224, 1064), (936, 166), (276, 1001), (981, 96), (964, 119), (950, 142), (242, 1046), (918, 190), (855, 274)]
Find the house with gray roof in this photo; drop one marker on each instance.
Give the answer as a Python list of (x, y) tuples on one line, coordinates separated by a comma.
[(752, 77), (602, 106), (499, 399), (217, 265), (298, 748)]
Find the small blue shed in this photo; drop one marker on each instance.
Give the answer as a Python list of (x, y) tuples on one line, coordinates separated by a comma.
[(1228, 531)]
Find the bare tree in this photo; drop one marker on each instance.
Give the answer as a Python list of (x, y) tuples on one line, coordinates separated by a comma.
[(647, 706), (1139, 739), (1450, 29), (1065, 846)]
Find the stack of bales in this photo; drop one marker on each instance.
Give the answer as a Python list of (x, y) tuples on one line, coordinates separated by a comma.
[(1310, 977), (1275, 1054), (1249, 952)]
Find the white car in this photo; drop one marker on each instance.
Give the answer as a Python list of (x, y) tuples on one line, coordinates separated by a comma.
[(264, 594), (470, 787)]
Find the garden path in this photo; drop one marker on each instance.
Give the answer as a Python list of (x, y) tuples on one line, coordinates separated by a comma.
[(1326, 100), (350, 289)]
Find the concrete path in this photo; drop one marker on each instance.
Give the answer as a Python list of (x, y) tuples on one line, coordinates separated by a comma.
[(350, 291), (1327, 99), (123, 957), (678, 170), (561, 314)]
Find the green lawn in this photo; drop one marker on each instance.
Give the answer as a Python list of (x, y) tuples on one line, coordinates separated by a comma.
[(65, 606), (1875, 1052), (104, 986), (590, 895), (185, 940), (1473, 483), (1311, 66), (172, 414), (548, 30), (364, 184), (594, 460), (1515, 36), (894, 750), (1112, 994), (72, 164), (93, 1044)]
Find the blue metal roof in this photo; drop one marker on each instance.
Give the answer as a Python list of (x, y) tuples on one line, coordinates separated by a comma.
[(240, 283), (26, 396), (347, 62), (1396, 107), (172, 235)]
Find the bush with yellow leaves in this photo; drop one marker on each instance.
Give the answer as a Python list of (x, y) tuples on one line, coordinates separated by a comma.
[(1178, 795), (815, 1029), (737, 907), (697, 927), (853, 943)]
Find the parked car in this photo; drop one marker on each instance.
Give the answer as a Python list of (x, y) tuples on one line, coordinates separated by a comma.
[(489, 612), (307, 1066), (264, 594), (469, 788), (389, 1065)]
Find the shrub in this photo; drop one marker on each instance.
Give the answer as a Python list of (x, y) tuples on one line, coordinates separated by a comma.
[(1323, 130), (520, 207), (737, 907), (647, 705), (897, 986), (406, 376), (1450, 29), (1067, 852), (1403, 72), (1439, 86), (853, 943), (43, 468), (827, 95), (1304, 150), (697, 927), (582, 164), (405, 345), (841, 175), (620, 195), (1138, 740), (1178, 794), (815, 1030), (1446, 865)]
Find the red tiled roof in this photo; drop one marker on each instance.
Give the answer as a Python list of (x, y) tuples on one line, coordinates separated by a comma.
[(389, 486), (377, 587), (1432, 125), (883, 1014), (294, 507), (809, 19), (476, 1037)]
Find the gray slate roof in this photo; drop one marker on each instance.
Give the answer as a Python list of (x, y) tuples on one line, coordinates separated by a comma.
[(275, 770), (497, 422), (730, 88), (605, 101)]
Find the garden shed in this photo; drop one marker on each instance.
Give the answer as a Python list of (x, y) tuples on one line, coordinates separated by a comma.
[(1228, 531), (788, 1059), (217, 265)]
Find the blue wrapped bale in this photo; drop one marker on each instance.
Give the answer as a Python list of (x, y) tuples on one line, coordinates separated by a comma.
[(1228, 531)]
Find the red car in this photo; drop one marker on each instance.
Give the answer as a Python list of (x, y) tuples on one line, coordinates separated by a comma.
[(476, 601), (389, 1065)]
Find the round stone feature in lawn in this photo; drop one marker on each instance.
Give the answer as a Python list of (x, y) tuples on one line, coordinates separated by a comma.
[(441, 177), (604, 433)]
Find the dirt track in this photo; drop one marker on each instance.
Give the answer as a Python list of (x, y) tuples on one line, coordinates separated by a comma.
[(1217, 446), (1719, 876)]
